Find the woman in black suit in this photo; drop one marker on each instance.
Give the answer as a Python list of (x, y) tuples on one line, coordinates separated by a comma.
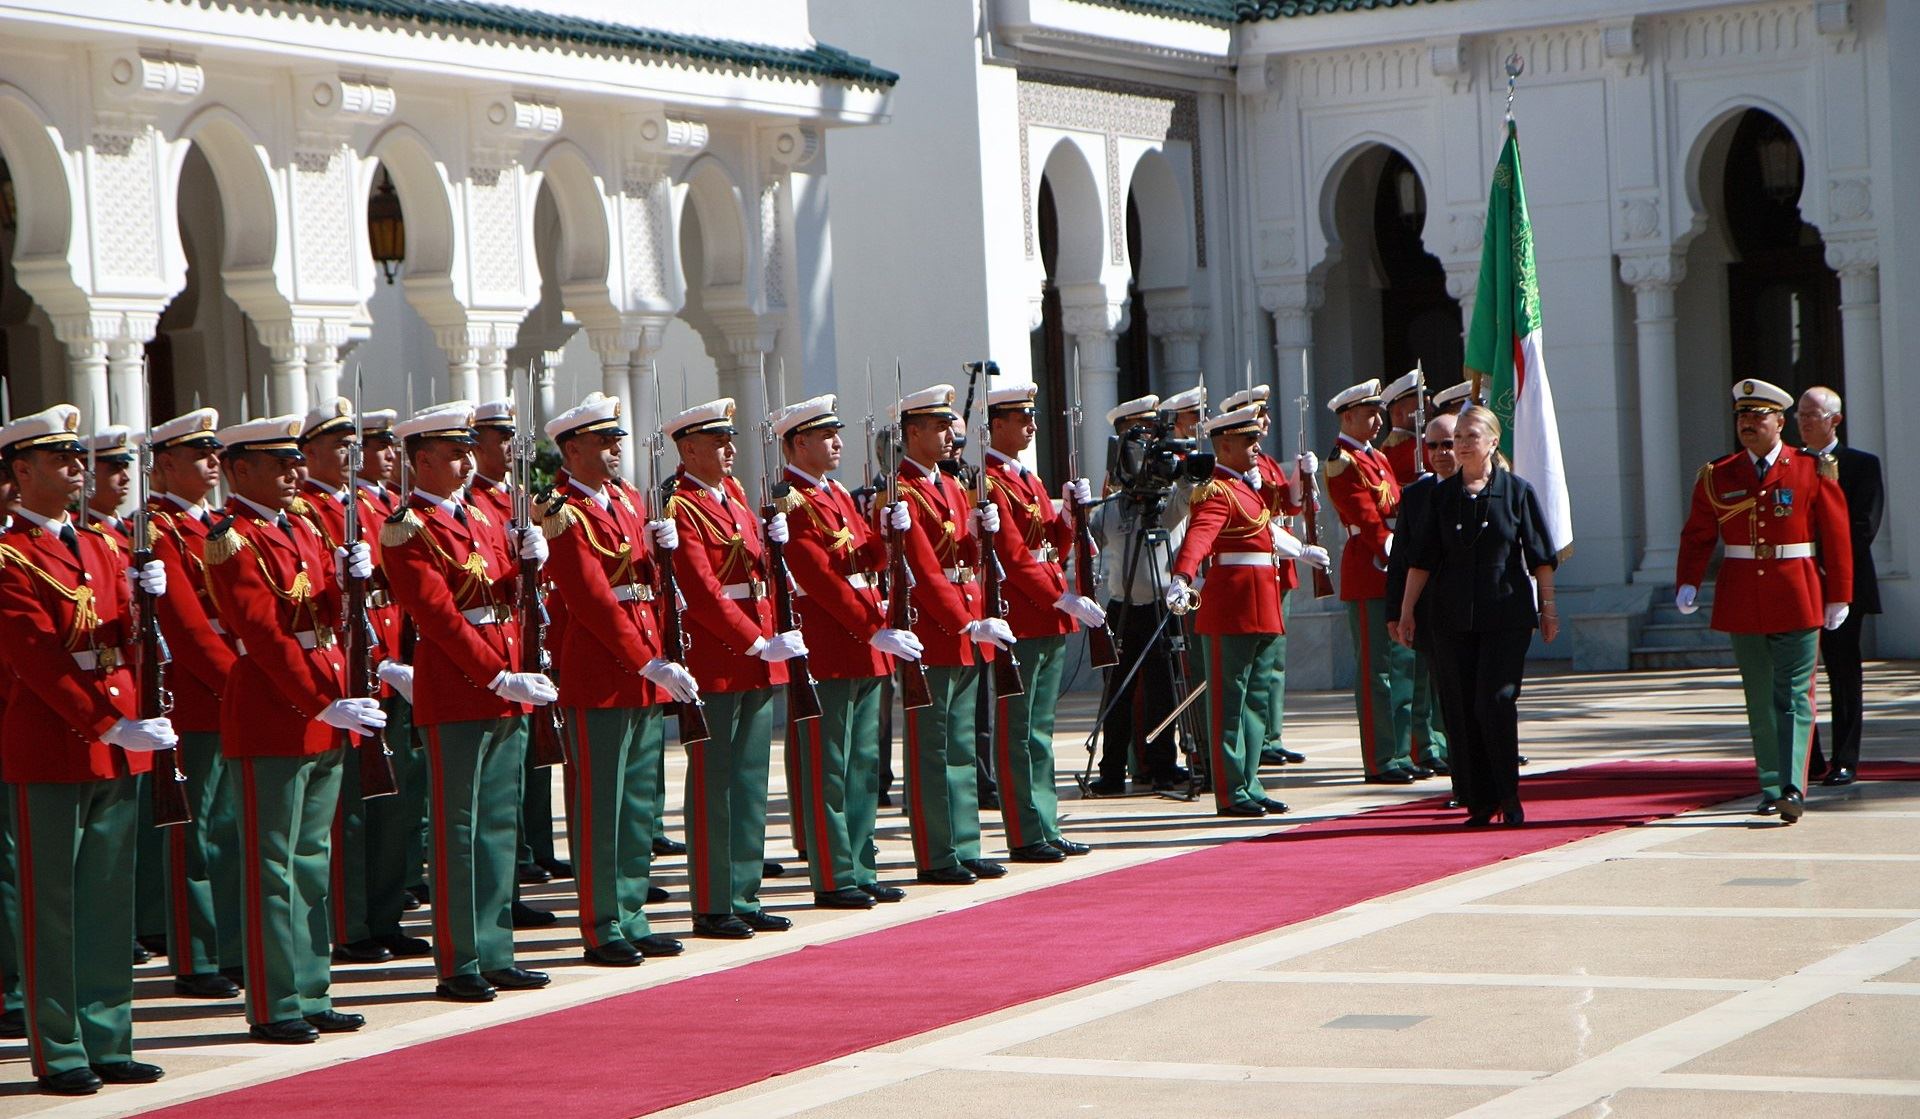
[(1482, 539)]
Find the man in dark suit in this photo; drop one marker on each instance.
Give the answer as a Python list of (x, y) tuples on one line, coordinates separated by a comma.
[(1433, 724), (1819, 416)]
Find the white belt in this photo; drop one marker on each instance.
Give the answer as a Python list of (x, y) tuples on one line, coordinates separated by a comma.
[(859, 581), (378, 600), (754, 591), (1046, 553), (633, 592), (104, 659), (1244, 559), (958, 574), (1770, 551), (307, 638), (487, 615)]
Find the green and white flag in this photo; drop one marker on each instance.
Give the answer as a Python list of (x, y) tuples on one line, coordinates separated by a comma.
[(1506, 347)]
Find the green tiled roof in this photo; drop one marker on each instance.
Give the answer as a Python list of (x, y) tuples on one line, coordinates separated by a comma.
[(819, 61), (1251, 11)]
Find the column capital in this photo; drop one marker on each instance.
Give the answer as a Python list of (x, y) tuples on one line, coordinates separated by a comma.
[(106, 327), (1661, 270), (1173, 314), (1301, 295), (1853, 255), (748, 333)]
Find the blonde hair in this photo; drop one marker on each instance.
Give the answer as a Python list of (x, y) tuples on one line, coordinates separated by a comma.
[(1484, 418)]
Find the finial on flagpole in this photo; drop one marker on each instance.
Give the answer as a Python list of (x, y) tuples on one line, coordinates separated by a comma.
[(1515, 67)]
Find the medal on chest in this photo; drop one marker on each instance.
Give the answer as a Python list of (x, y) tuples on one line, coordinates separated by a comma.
[(1782, 503)]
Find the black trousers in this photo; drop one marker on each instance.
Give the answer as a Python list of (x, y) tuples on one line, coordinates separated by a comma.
[(1481, 673), (1450, 718), (1846, 684), (1143, 702)]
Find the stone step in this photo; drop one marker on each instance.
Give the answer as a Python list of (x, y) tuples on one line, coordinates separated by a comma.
[(1684, 635), (1652, 657), (1666, 614)]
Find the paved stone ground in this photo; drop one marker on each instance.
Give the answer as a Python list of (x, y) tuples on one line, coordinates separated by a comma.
[(1713, 962)]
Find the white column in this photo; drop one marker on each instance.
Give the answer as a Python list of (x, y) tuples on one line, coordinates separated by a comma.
[(1858, 263), (126, 385), (743, 376), (614, 347), (491, 372), (1180, 327), (1662, 485), (87, 378), (1292, 305), (286, 381), (463, 374), (642, 403), (1093, 329), (323, 371)]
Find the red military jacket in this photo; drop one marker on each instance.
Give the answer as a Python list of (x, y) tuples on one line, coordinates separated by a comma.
[(1403, 453), (592, 551), (1226, 517), (833, 553), (1799, 507), (203, 655), (494, 498), (454, 577), (1280, 503), (53, 605), (1365, 493), (1032, 544), (274, 591), (720, 547), (323, 507), (942, 540)]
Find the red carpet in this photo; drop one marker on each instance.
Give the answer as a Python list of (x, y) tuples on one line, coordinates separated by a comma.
[(656, 1048)]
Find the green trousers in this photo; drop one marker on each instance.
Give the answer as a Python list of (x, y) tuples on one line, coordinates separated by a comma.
[(726, 802), (943, 792), (286, 832), (837, 789), (1429, 730), (1382, 689), (1023, 746), (370, 868), (474, 773), (204, 921), (613, 811), (149, 866), (1200, 710), (536, 816), (1776, 672), (75, 844), (9, 904), (1274, 670), (1236, 702)]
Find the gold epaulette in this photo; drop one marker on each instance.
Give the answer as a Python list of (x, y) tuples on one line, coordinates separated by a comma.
[(400, 528), (478, 515), (556, 518), (300, 507), (1395, 438), (153, 530), (105, 538), (1338, 464), (1205, 490), (224, 543), (791, 500), (1829, 467)]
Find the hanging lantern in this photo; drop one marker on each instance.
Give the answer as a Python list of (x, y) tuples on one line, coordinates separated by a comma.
[(1413, 205), (386, 227), (1781, 172)]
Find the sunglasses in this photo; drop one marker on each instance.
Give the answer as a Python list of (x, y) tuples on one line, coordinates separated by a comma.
[(1433, 445)]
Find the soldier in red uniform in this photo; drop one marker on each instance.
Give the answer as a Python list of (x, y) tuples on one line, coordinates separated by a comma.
[(71, 745), (833, 554), (204, 929), (1230, 525), (1366, 494), (603, 548), (380, 459), (1041, 611), (453, 570), (1401, 402), (275, 587), (1786, 573)]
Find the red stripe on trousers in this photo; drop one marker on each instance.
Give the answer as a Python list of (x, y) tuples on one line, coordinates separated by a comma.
[(337, 869), (29, 982), (698, 875), (1221, 798), (256, 921), (437, 834), (919, 822), (583, 823), (1366, 690), (1003, 751), (820, 848)]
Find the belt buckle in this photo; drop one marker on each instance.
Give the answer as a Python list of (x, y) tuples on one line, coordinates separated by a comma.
[(323, 637), (1763, 551), (106, 660), (756, 589), (963, 575)]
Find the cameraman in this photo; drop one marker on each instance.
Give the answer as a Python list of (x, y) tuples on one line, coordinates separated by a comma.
[(1134, 609)]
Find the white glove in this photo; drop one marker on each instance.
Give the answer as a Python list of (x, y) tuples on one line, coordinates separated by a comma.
[(898, 519), (141, 736), (987, 518), (355, 716), (399, 677), (1316, 556), (780, 647), (1179, 595), (1683, 599), (1285, 543), (355, 561), (990, 631), (777, 529), (150, 577), (1308, 463), (524, 687), (665, 533), (898, 643), (533, 545), (1836, 615), (1079, 492), (1387, 548), (676, 680), (1081, 609)]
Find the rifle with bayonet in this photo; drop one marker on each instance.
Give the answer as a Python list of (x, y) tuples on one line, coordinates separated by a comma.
[(1310, 499), (914, 691), (1101, 651), (803, 702), (150, 673), (673, 631), (1007, 680), (376, 757), (545, 743)]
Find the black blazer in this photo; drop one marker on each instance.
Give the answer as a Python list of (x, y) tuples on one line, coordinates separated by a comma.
[(1416, 505), (1479, 551), (1866, 501)]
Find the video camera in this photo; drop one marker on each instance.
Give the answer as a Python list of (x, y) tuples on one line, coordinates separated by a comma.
[(1147, 459)]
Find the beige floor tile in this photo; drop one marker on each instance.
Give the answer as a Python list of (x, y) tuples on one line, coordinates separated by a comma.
[(1848, 1035), (1907, 974), (1732, 883), (739, 1094), (1837, 834), (1666, 1103)]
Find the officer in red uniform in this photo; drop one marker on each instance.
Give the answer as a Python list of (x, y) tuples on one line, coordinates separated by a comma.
[(603, 548), (453, 570), (71, 745), (1401, 402), (833, 554), (1365, 493), (275, 587), (1230, 525), (1786, 573), (204, 929)]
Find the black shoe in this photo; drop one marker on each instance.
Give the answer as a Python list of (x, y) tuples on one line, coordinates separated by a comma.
[(1293, 757), (140, 953), (73, 1082), (656, 895), (1480, 817), (1421, 773), (532, 874), (990, 798), (405, 947), (235, 975), (293, 1031), (527, 917), (557, 868), (13, 1024), (1104, 786), (886, 800), (846, 897), (1453, 802), (154, 944), (762, 921), (874, 890), (1069, 847), (465, 987), (408, 902), (948, 876), (128, 1072), (664, 846), (1766, 807), (421, 893), (1840, 776), (214, 986), (1511, 814), (335, 1022), (1273, 756), (1522, 759), (1041, 852), (1791, 805), (720, 926), (614, 953), (1391, 777), (984, 868), (1273, 807), (656, 946), (771, 869), (1439, 766), (362, 952), (1243, 808), (516, 979)]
